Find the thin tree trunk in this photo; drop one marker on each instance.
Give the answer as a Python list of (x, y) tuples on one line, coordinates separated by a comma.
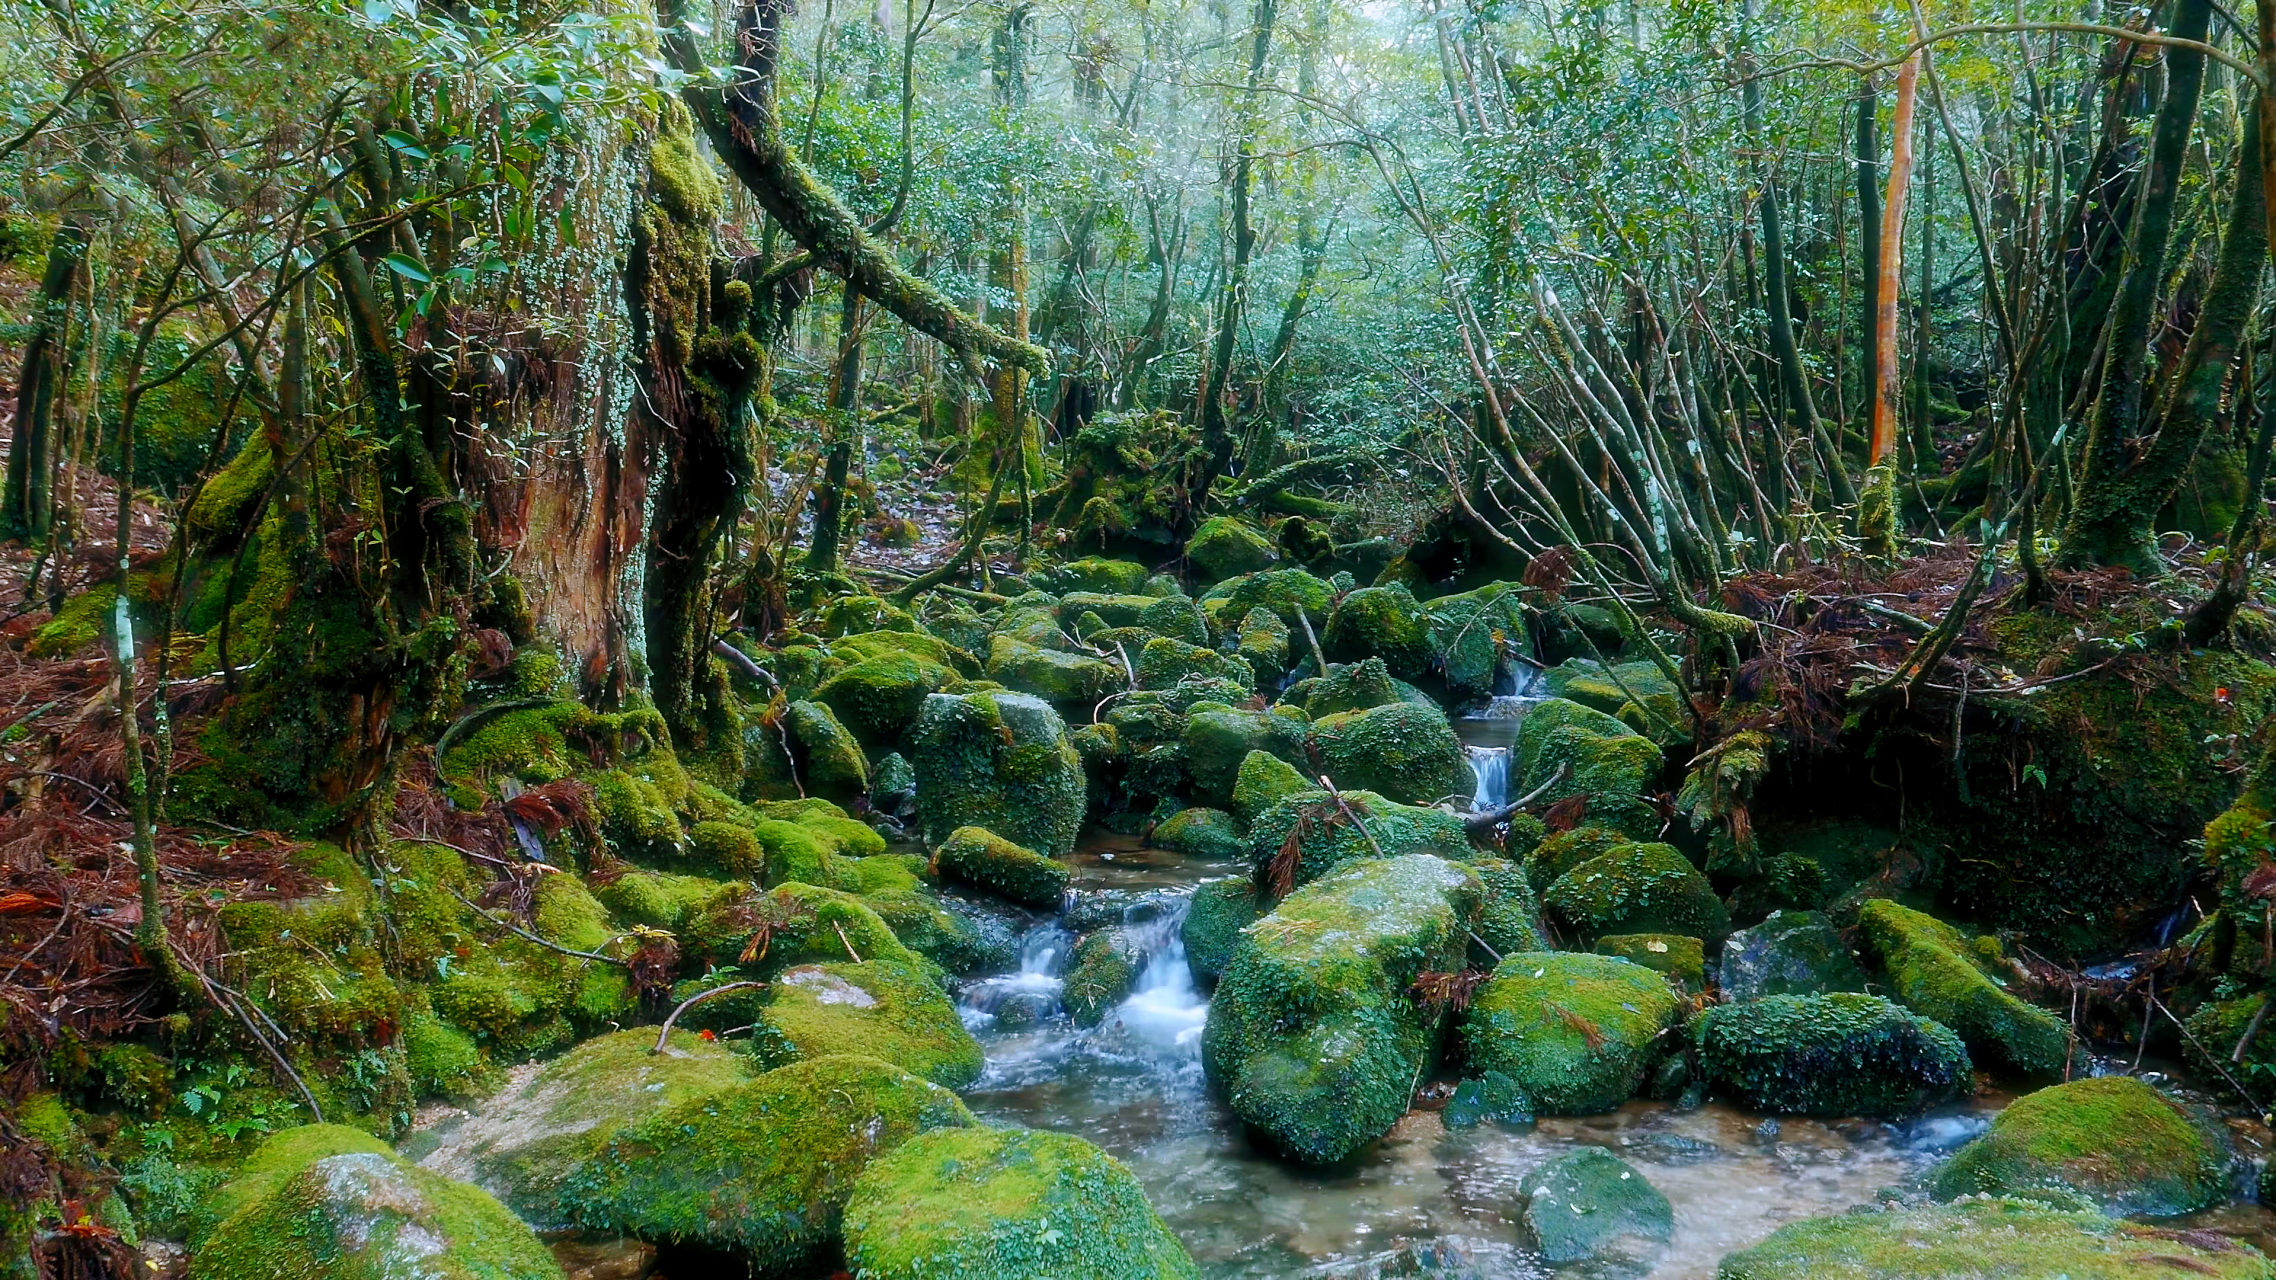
[(1887, 287), (845, 401), (1869, 216), (1216, 434), (25, 509)]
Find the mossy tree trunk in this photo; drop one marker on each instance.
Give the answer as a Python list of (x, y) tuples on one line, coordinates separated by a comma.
[(1216, 430), (25, 508)]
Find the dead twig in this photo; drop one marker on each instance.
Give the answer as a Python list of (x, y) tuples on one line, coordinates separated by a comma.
[(664, 1033)]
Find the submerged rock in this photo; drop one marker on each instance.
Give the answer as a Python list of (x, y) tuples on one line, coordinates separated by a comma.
[(326, 1202), (1577, 1032), (1830, 1055), (522, 1144), (1000, 761), (1007, 1204), (1983, 1238), (2113, 1141), (1582, 1202), (761, 1170), (1404, 751), (1933, 970), (1313, 1036), (1638, 888), (979, 856), (1793, 953)]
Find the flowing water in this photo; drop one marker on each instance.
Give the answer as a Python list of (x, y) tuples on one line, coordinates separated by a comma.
[(1425, 1192)]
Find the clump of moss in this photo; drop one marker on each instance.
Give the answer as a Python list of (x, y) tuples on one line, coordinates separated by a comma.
[(1561, 851), (1607, 762), (830, 759), (1472, 636), (1104, 969), (1830, 1055), (1638, 888), (918, 644), (1070, 680), (1263, 781), (1380, 622), (1165, 663), (1201, 833), (1576, 1032), (1635, 693), (981, 857), (657, 899), (1933, 970), (886, 1009), (1405, 751), (1220, 910), (761, 1169), (1354, 686), (1672, 955), (1510, 920), (878, 698), (1096, 573), (1988, 1238), (1579, 1203), (2112, 1140), (1018, 1204), (1263, 641), (1225, 547), (1000, 761)]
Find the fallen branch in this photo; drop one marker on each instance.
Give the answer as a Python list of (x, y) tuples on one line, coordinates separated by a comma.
[(1477, 822), (525, 934), (664, 1033)]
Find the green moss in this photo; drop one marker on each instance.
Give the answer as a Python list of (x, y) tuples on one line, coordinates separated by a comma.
[(1100, 976), (442, 1060), (830, 761), (1113, 610), (81, 624), (1471, 636), (979, 856), (1327, 838), (918, 644), (537, 745), (879, 698), (1830, 1055), (1286, 592), (859, 614), (1177, 617), (1511, 919), (1220, 910), (1263, 641), (1655, 710), (2113, 1140), (793, 924), (1672, 955), (1218, 741), (1933, 970), (1165, 664), (1313, 1035), (329, 1202), (1225, 547), (639, 814), (1638, 888), (657, 899), (1263, 781), (761, 1169), (1577, 1204), (1576, 1032), (1008, 1204), (1561, 851), (999, 761), (1406, 752), (925, 926), (1605, 761), (885, 1009), (1794, 953), (1094, 573), (1982, 1238), (1201, 833), (1351, 686), (1380, 622), (1070, 680), (228, 495)]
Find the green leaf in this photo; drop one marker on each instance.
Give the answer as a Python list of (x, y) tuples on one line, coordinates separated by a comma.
[(402, 265), (404, 143)]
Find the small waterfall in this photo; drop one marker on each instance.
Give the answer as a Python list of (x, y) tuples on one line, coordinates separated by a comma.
[(1031, 994), (1164, 1013), (1490, 766)]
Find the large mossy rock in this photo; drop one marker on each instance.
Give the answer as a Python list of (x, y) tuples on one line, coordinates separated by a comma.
[(1000, 761), (1201, 833), (1217, 740), (1793, 953), (1380, 622), (980, 857), (1293, 595), (1933, 970), (1635, 693), (1638, 888), (1576, 1032), (1313, 1035), (1671, 955), (1472, 636), (326, 1202), (830, 759), (1069, 680), (879, 698), (1006, 1204), (1326, 837), (1213, 922), (1404, 751), (1095, 573), (2113, 1142), (1264, 780), (1351, 686), (522, 1144), (1607, 762), (1511, 919), (1227, 547), (1830, 1055), (1582, 1203), (887, 1008), (761, 1170), (1981, 1239), (932, 648), (1165, 664)]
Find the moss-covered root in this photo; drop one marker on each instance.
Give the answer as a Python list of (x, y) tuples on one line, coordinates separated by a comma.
[(761, 1170), (980, 857), (1935, 971), (1313, 1034), (522, 1144), (1007, 1204), (1830, 1055), (1576, 1032), (2113, 1142), (1983, 1238), (326, 1202)]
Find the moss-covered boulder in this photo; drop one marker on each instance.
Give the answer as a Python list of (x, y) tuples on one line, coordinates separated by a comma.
[(1218, 739), (883, 1008), (790, 925), (1068, 680), (1472, 636), (879, 698), (1166, 664), (2113, 1142), (1007, 1204), (1351, 686), (659, 900), (1000, 761), (1580, 1204), (1177, 617), (1201, 833), (1380, 622), (1977, 1239), (1263, 781), (761, 1170), (1793, 953), (1263, 641), (1325, 834), (1637, 888), (1113, 610), (1100, 975), (1291, 594), (1932, 969), (1226, 547), (1830, 1055), (1576, 1032), (1560, 851), (830, 759), (522, 1144), (326, 1202), (920, 644), (1313, 1036), (1213, 922), (980, 857), (1671, 954), (1635, 693), (1095, 573), (1404, 751), (1511, 918), (1605, 761)]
